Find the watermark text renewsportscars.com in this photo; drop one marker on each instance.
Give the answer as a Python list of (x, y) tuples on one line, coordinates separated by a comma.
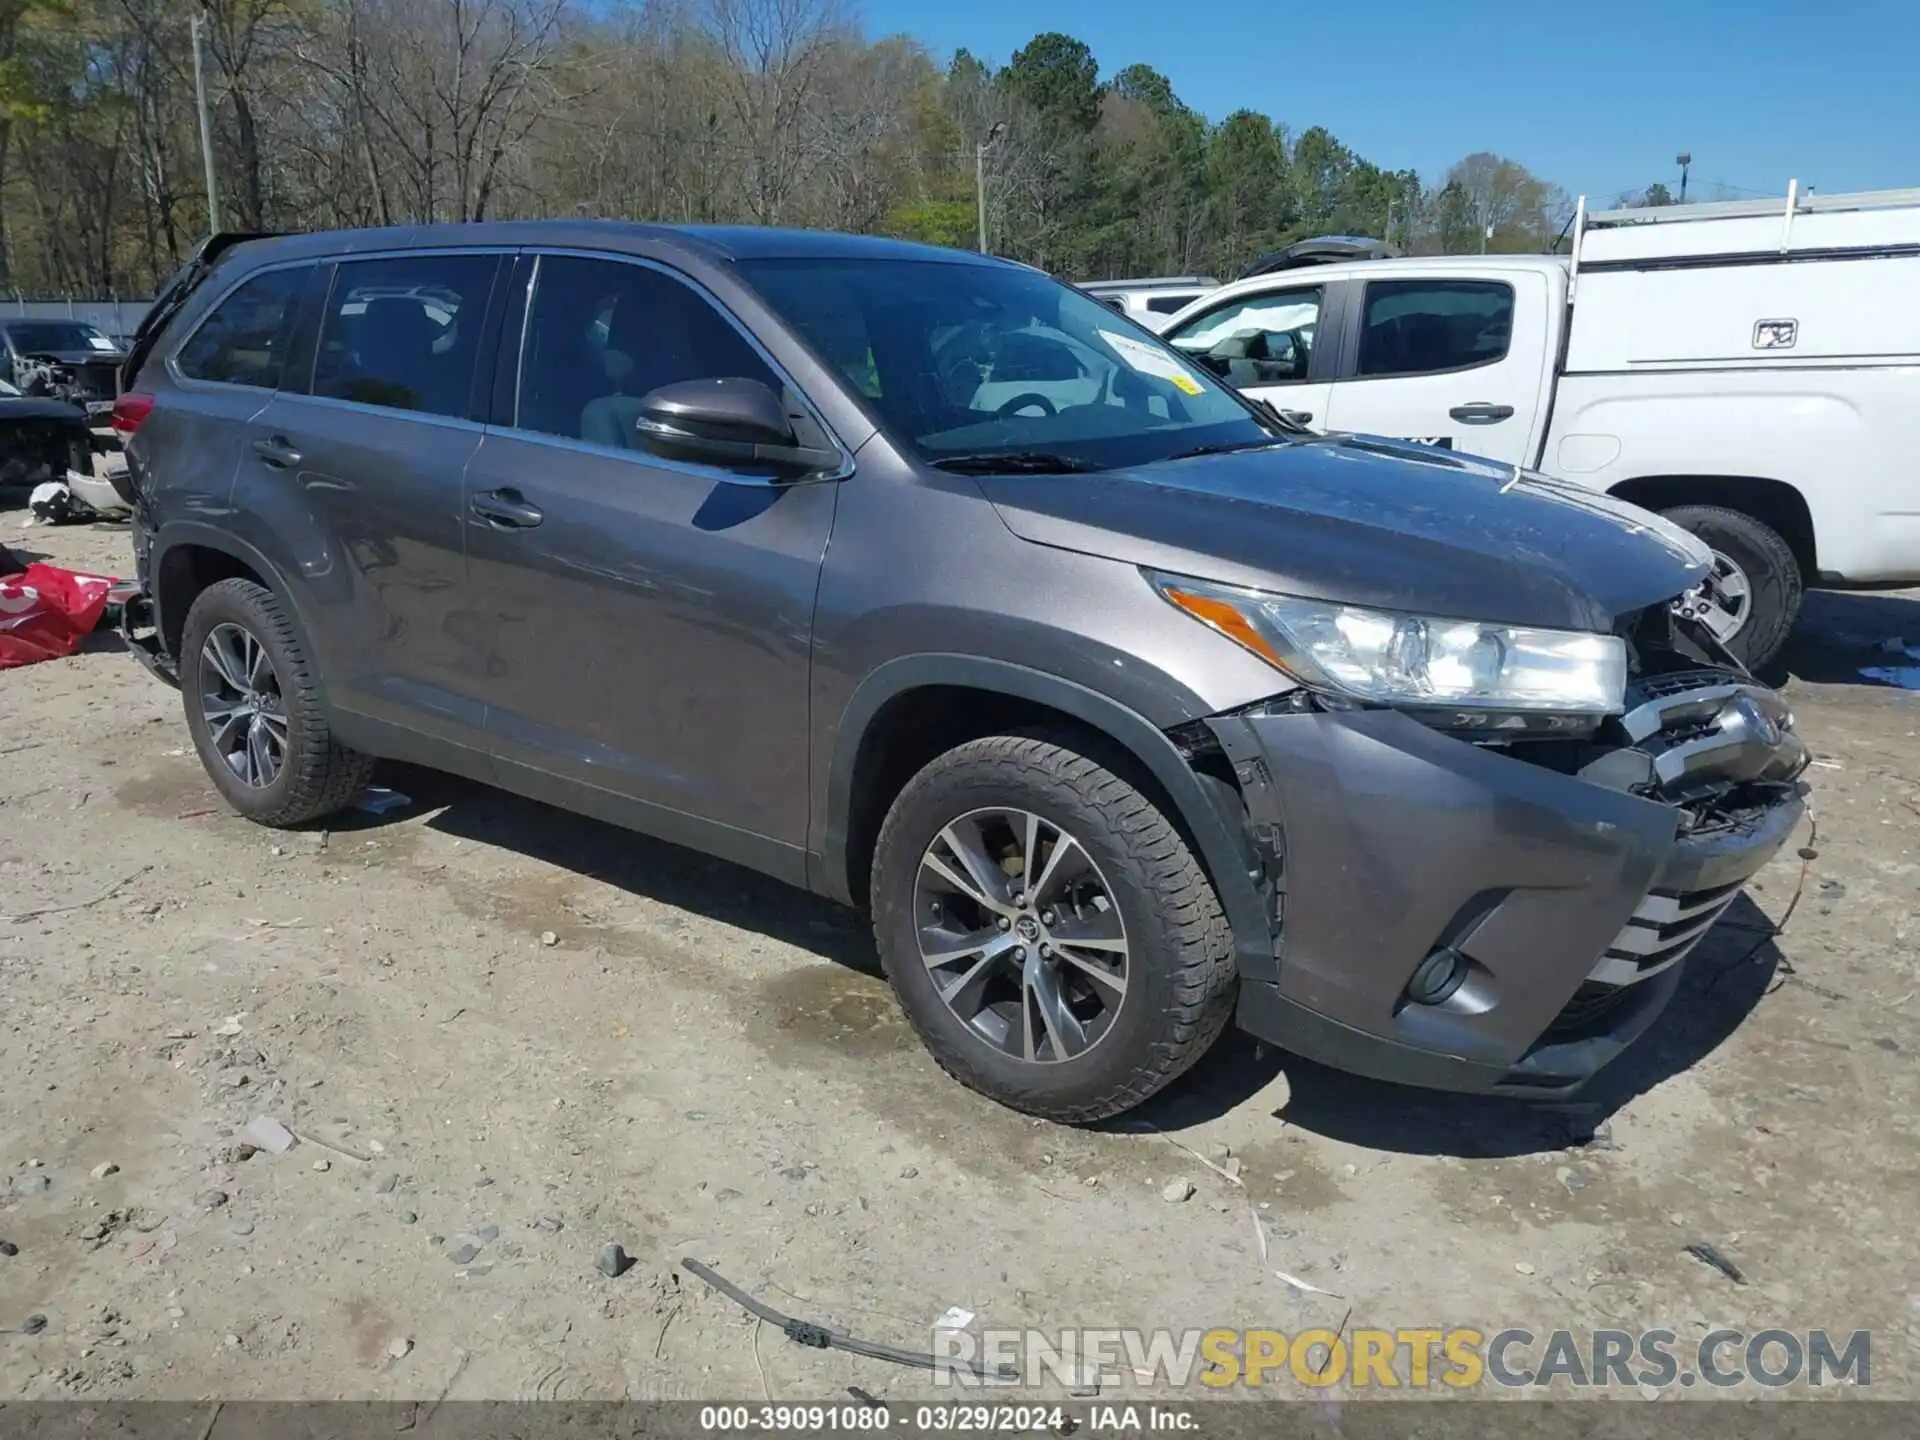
[(1412, 1359)]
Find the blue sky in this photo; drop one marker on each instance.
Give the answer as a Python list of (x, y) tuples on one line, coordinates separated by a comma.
[(1599, 98)]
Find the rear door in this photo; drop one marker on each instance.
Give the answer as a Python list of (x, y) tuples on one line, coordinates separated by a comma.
[(1447, 360), (359, 464), (1268, 345), (647, 624), (211, 386)]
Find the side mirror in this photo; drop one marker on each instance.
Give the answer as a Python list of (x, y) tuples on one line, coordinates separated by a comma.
[(733, 422)]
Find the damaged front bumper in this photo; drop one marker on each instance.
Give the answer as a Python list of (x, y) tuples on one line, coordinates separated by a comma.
[(1453, 915)]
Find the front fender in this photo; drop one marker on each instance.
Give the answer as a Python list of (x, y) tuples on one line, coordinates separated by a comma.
[(1209, 810)]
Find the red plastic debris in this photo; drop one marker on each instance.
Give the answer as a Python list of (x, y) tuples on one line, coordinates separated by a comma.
[(45, 612)]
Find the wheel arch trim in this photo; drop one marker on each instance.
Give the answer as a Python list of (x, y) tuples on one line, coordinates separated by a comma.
[(175, 534), (1225, 850)]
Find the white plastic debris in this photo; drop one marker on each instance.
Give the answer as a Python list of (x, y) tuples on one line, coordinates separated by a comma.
[(269, 1134), (230, 1025), (1308, 1286), (53, 503), (955, 1318)]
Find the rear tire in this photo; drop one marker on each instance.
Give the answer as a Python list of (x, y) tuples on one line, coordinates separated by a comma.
[(314, 776), (1167, 937), (1773, 578)]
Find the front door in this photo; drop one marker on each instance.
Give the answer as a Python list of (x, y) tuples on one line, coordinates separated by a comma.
[(1265, 345), (647, 624), (1440, 360), (367, 462)]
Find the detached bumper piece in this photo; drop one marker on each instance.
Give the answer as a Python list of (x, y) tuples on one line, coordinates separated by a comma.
[(1500, 918), (140, 631)]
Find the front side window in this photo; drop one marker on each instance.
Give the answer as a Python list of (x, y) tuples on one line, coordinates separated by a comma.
[(958, 359), (602, 335), (404, 333), (1264, 339), (243, 341), (1417, 327)]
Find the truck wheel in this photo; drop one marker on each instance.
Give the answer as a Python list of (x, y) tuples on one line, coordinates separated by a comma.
[(1049, 934), (1753, 596), (254, 710)]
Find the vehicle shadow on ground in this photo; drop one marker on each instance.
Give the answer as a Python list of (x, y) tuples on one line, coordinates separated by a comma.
[(653, 869), (1840, 634), (1726, 977)]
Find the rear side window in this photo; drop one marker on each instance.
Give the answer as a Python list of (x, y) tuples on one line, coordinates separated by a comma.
[(1417, 327), (1168, 304), (404, 333), (602, 335), (243, 341)]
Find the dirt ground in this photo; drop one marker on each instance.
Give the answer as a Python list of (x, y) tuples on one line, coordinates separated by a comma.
[(507, 1036)]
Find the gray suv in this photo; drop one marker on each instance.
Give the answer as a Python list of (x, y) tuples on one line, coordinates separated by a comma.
[(934, 586)]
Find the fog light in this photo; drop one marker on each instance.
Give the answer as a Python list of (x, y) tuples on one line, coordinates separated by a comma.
[(1437, 977)]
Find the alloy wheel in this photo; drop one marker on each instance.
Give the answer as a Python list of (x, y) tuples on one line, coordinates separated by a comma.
[(1021, 935), (1723, 601), (241, 702)]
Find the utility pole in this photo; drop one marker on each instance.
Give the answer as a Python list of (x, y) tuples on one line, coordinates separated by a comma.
[(1388, 237), (980, 176), (206, 128), (1683, 160)]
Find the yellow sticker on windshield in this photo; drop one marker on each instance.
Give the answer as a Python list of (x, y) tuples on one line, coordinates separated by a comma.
[(1187, 383)]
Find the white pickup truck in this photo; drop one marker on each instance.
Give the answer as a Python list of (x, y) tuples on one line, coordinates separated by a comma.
[(1752, 370)]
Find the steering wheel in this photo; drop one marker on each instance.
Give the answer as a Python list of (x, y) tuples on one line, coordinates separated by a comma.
[(1026, 401)]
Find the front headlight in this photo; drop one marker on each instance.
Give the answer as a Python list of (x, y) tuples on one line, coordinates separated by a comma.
[(1390, 658)]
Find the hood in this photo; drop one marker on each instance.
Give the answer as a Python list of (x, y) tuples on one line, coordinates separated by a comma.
[(1368, 522), (18, 409)]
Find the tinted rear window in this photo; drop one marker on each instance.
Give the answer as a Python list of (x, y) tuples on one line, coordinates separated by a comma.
[(404, 333), (243, 340)]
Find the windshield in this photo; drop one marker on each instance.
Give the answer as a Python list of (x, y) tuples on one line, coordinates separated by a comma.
[(29, 337), (973, 361)]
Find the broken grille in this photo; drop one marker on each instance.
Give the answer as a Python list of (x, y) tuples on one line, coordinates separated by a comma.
[(1665, 926)]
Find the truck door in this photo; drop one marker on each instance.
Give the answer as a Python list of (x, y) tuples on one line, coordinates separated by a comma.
[(1447, 360), (1266, 345)]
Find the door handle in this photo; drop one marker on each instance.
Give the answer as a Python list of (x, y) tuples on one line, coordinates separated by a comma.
[(506, 510), (276, 451), (1481, 413)]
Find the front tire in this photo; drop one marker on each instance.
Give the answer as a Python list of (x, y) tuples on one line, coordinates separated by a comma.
[(253, 708), (1051, 937), (1754, 596)]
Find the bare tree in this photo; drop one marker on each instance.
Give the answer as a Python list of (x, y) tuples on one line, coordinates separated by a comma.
[(774, 53)]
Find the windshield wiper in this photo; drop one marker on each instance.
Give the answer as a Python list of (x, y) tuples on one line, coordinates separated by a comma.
[(1013, 462), (1228, 448)]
